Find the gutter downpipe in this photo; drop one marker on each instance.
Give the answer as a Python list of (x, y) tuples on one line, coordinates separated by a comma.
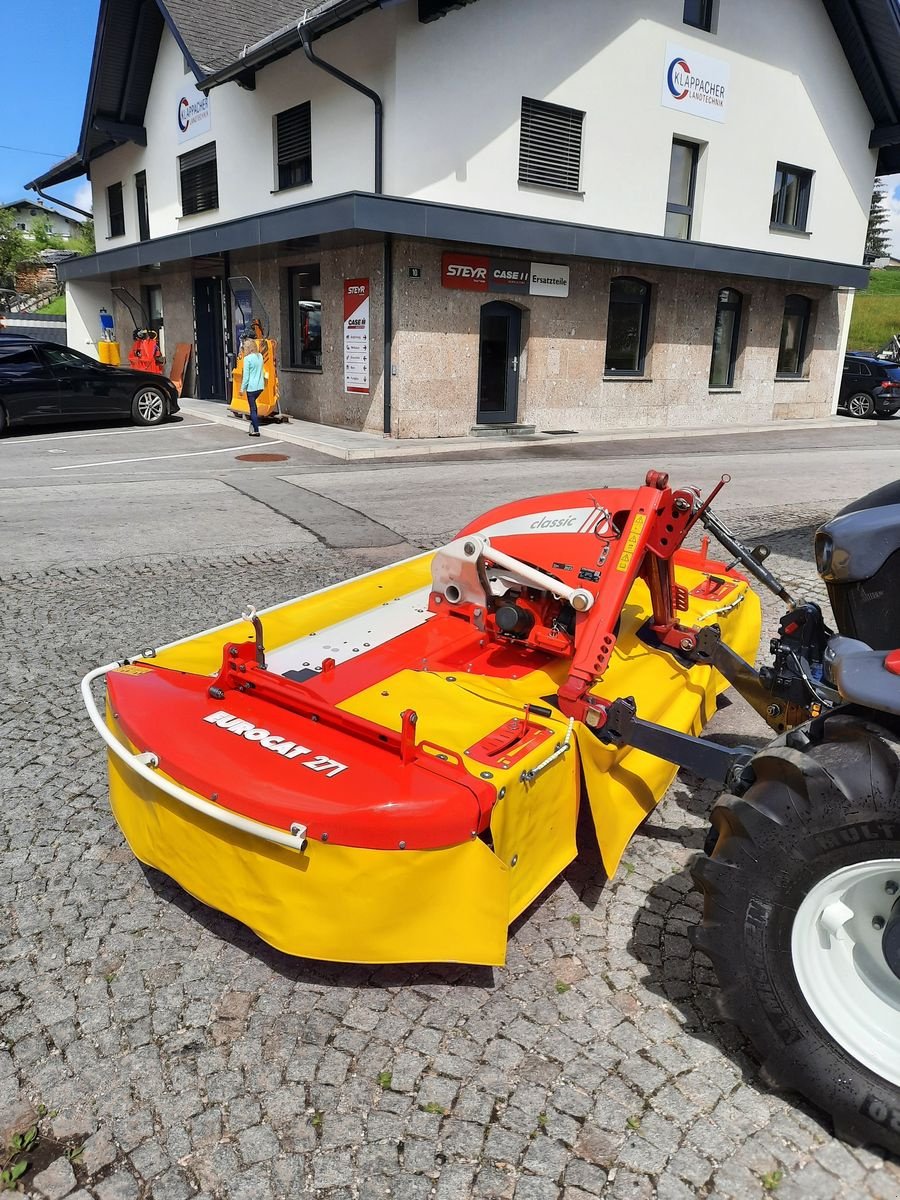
[(388, 264), (53, 200)]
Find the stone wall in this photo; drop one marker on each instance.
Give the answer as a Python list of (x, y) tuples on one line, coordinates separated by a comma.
[(561, 377), (561, 381)]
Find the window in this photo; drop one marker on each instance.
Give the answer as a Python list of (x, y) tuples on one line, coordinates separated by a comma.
[(143, 209), (115, 207), (21, 225), (199, 180), (626, 331), (698, 13), (680, 199), (61, 356), (790, 196), (794, 328), (306, 317), (293, 146), (550, 145), (725, 339)]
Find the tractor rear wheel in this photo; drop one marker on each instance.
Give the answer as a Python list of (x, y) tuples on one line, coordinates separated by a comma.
[(802, 920)]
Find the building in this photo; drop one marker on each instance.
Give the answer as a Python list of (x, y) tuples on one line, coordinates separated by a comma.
[(509, 213), (28, 211)]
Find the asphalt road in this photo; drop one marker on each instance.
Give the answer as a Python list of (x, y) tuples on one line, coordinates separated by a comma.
[(179, 1057)]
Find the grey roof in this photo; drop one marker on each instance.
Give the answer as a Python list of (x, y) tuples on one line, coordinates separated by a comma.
[(215, 32)]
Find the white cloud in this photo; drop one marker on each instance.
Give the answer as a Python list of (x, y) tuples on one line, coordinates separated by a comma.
[(892, 198), (83, 197)]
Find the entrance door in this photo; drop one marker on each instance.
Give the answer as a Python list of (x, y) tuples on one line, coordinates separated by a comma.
[(498, 363), (208, 325)]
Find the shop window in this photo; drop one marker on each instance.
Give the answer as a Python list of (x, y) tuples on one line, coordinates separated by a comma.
[(725, 339), (143, 208), (790, 197), (698, 13), (680, 198), (293, 146), (794, 331), (199, 180), (305, 296), (115, 207), (626, 331), (550, 145)]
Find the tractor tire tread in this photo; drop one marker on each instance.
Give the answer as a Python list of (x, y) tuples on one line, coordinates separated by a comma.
[(804, 807)]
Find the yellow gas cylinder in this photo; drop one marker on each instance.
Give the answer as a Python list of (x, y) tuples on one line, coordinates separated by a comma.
[(109, 353)]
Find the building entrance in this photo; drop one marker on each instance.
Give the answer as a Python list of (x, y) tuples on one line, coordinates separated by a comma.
[(498, 363), (209, 336)]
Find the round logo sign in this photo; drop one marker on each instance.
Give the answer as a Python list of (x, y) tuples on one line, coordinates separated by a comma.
[(184, 115), (677, 76)]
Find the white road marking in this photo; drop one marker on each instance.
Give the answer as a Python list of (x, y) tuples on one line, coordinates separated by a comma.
[(65, 437), (115, 462)]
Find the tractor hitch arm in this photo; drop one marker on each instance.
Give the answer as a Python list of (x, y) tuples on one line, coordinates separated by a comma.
[(723, 764), (745, 557)]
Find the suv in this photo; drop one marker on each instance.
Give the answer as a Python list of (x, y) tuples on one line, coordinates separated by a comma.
[(870, 386)]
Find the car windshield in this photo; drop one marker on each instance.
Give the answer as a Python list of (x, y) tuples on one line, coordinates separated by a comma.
[(893, 373)]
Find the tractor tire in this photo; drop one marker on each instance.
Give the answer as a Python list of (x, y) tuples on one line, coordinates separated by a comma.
[(801, 920)]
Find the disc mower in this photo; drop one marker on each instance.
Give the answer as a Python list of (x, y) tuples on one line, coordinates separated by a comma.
[(390, 770)]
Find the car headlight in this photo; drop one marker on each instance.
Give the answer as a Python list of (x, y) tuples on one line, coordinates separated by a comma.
[(824, 554)]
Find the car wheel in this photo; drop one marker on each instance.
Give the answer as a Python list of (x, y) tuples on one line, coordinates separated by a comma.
[(149, 406), (3, 421), (861, 404)]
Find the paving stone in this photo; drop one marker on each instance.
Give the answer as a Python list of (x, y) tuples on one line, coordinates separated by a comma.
[(120, 1186), (55, 1181)]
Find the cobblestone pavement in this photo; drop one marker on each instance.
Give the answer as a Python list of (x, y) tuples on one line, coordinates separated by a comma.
[(163, 1052)]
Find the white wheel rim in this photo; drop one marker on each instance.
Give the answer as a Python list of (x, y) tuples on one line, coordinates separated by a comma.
[(859, 405), (840, 967), (150, 405)]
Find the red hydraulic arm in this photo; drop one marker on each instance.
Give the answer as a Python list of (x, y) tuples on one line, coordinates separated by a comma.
[(657, 524)]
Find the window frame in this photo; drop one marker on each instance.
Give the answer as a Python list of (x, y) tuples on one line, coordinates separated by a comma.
[(143, 208), (280, 184), (644, 305), (295, 352), (532, 173), (195, 152), (795, 304), (685, 209), (737, 307), (804, 177), (114, 230), (707, 12)]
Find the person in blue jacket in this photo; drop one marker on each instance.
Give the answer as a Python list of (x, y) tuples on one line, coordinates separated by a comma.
[(253, 380)]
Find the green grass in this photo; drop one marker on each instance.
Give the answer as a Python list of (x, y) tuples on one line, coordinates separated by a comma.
[(876, 312), (884, 283), (56, 306)]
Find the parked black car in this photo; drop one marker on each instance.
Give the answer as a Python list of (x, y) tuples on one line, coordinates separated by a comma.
[(870, 386), (41, 382)]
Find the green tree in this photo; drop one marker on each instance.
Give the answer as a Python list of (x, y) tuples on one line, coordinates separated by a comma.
[(13, 247), (41, 236), (878, 235), (83, 242)]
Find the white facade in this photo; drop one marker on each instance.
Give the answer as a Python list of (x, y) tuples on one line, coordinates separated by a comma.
[(452, 91)]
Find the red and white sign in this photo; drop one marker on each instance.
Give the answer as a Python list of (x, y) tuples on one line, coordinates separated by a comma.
[(466, 271), (356, 335)]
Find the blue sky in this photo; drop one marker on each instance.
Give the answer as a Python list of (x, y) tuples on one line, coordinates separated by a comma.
[(46, 62), (50, 67)]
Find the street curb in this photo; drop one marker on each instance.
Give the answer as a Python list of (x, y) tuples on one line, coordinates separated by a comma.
[(387, 448)]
